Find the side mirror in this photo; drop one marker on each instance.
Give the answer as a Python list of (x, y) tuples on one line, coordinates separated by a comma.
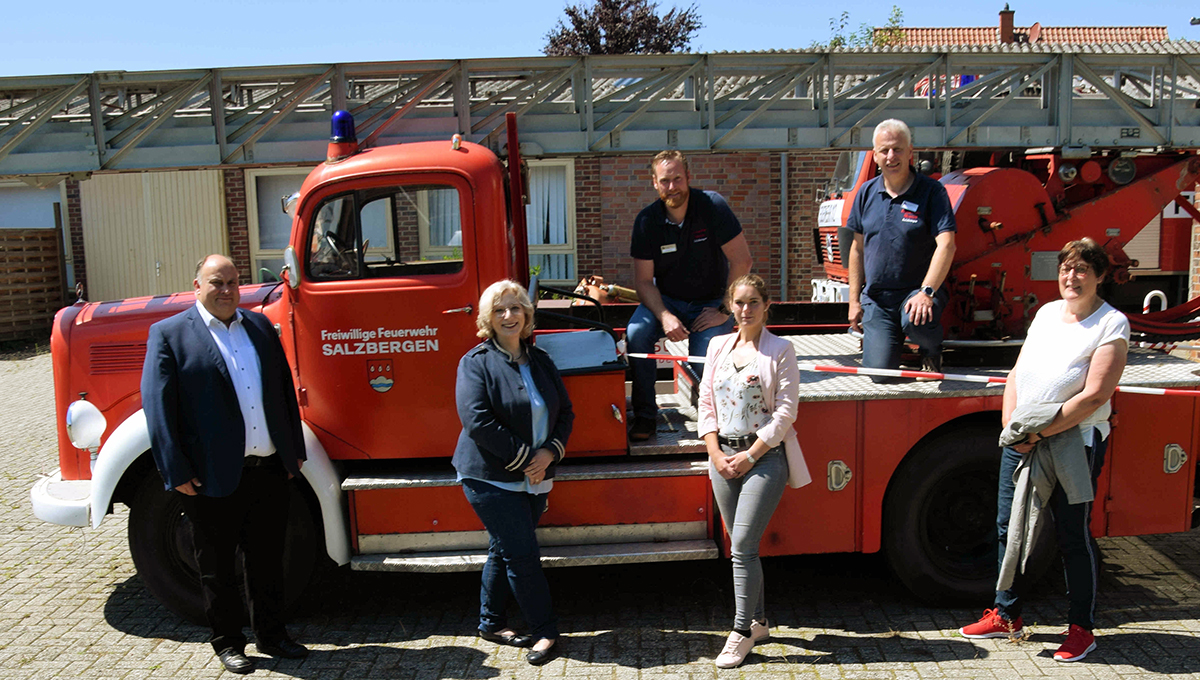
[(291, 267)]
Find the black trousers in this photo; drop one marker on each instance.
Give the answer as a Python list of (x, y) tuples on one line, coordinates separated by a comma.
[(254, 518)]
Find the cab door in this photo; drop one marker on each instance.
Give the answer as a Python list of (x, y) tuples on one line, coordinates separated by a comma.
[(384, 311)]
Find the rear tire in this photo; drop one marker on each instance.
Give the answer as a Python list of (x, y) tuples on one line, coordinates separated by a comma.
[(939, 531), (160, 542)]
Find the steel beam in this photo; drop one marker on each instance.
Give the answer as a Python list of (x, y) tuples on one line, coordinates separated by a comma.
[(274, 120), (161, 116), (42, 115)]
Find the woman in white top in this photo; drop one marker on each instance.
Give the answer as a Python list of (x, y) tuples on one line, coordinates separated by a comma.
[(1074, 355), (747, 405)]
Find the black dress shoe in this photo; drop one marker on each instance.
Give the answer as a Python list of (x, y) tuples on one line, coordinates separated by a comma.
[(513, 640), (235, 661), (642, 429), (288, 649), (537, 658)]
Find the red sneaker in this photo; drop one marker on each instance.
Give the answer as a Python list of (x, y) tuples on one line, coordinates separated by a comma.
[(1079, 642), (992, 625)]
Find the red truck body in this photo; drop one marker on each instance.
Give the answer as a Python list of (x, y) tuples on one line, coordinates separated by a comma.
[(375, 332)]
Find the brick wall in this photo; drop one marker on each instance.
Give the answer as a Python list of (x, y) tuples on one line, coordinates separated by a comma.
[(75, 229), (407, 231), (807, 173), (748, 181), (589, 223), (236, 221)]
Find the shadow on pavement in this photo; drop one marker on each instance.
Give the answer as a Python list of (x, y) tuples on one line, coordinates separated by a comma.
[(378, 661), (1139, 649), (673, 614)]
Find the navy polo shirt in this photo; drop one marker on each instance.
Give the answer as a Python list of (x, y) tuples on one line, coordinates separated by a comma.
[(689, 264), (899, 233)]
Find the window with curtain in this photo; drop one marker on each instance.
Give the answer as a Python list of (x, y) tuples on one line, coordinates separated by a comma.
[(550, 220)]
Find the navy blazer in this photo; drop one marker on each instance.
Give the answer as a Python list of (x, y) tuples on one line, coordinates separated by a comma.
[(192, 411), (497, 418)]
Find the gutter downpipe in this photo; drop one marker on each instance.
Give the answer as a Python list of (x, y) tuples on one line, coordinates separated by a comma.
[(783, 227)]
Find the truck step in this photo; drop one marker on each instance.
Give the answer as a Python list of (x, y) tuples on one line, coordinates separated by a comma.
[(566, 472), (676, 432), (554, 556)]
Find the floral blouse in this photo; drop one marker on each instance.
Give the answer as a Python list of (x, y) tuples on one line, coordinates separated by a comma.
[(738, 399)]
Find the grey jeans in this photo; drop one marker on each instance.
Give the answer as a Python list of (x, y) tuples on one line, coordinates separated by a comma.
[(746, 505)]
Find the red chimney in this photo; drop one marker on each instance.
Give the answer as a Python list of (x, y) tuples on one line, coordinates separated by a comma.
[(1006, 24)]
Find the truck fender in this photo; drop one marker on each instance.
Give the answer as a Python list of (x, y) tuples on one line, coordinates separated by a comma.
[(131, 439), (126, 444), (327, 485)]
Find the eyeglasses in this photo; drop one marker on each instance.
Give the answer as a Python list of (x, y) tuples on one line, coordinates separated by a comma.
[(1080, 269)]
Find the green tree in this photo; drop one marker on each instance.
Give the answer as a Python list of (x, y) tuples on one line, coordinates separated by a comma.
[(891, 33), (622, 27)]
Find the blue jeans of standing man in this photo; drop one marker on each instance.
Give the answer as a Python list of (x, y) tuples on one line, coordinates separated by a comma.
[(1081, 555), (746, 505), (644, 330), (885, 325), (514, 567)]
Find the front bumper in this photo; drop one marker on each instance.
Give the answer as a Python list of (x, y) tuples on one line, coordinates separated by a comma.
[(60, 501)]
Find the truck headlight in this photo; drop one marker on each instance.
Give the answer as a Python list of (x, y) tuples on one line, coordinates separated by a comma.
[(85, 424)]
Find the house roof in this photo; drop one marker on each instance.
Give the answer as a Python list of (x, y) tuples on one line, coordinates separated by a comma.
[(990, 35)]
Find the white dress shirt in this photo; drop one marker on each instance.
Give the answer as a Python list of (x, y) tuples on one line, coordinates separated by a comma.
[(245, 369)]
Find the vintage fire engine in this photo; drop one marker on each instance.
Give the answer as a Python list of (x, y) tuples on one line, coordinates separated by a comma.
[(390, 249)]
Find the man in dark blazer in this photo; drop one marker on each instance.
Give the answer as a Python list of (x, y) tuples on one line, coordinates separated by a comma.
[(225, 434)]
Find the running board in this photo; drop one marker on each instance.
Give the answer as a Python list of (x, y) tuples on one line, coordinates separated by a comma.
[(566, 472), (556, 556)]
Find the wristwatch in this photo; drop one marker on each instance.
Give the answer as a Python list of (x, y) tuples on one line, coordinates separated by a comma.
[(928, 290)]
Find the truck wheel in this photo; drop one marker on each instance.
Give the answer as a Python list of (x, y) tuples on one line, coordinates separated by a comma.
[(939, 531), (160, 542)]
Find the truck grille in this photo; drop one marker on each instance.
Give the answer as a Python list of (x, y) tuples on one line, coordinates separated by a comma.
[(116, 357)]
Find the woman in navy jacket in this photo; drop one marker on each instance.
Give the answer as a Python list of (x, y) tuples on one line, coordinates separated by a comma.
[(516, 418)]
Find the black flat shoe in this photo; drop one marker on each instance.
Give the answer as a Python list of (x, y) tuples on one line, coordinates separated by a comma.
[(537, 658), (285, 648), (235, 661), (514, 640)]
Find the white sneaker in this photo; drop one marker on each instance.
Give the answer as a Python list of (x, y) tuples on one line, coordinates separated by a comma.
[(760, 632), (736, 649)]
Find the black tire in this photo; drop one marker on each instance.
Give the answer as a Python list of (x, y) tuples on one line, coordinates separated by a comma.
[(939, 529), (160, 542)]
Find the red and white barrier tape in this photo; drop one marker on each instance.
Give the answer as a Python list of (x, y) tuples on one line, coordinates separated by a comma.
[(900, 373)]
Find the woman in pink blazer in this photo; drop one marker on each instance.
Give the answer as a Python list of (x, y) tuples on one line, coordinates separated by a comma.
[(747, 407)]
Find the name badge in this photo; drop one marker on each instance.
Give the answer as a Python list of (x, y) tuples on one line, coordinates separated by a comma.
[(669, 248), (909, 206)]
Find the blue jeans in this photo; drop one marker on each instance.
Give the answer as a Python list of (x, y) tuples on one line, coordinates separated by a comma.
[(885, 325), (746, 505), (1072, 523), (514, 567), (644, 330)]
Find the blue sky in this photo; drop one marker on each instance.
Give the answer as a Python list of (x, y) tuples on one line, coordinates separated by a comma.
[(74, 36)]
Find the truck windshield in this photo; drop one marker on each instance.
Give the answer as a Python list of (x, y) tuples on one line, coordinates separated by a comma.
[(408, 230), (844, 174)]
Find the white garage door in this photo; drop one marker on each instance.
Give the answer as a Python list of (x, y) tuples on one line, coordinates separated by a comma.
[(144, 232)]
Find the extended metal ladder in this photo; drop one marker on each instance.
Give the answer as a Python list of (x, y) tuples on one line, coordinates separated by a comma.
[(1126, 96)]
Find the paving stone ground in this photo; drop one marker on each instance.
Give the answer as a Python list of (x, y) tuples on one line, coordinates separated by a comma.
[(72, 606)]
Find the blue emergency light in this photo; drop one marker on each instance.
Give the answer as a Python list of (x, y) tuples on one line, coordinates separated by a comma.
[(342, 128)]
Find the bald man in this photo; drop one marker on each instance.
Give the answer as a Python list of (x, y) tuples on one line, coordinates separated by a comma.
[(225, 435)]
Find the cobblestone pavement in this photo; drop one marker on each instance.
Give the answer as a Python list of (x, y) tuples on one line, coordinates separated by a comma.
[(71, 606)]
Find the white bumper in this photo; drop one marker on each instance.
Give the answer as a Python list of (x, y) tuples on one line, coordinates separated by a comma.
[(59, 501)]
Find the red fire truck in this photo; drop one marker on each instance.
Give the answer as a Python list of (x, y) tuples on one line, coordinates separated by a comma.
[(390, 249)]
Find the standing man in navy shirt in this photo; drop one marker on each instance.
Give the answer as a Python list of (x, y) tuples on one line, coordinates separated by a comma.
[(687, 248), (903, 245)]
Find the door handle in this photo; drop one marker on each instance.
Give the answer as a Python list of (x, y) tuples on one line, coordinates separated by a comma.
[(464, 310)]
